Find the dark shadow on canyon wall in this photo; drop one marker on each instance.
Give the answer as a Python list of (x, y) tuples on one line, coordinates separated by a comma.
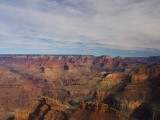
[(143, 112)]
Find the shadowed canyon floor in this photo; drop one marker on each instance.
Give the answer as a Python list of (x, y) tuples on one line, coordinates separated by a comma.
[(79, 87)]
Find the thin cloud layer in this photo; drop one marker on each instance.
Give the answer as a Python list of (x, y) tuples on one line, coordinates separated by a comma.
[(75, 26)]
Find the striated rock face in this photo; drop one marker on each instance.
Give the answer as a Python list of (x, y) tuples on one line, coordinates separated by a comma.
[(120, 63), (49, 61)]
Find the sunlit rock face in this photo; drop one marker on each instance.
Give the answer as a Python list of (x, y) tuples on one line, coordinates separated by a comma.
[(43, 108), (99, 86), (139, 78), (111, 80)]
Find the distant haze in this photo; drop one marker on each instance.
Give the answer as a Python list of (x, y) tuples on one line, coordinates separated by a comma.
[(114, 27)]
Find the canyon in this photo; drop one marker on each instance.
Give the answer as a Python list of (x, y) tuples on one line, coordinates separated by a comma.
[(79, 87)]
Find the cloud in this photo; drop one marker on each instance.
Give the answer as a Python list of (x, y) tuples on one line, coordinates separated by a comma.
[(115, 24)]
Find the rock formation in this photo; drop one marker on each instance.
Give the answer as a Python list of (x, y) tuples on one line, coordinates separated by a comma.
[(115, 86)]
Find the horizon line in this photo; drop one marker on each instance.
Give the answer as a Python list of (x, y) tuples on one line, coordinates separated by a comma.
[(32, 54)]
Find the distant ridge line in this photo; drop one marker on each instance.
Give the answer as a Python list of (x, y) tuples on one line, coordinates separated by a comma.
[(10, 55)]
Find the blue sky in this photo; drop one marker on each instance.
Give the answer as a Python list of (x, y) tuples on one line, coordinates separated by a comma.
[(114, 27)]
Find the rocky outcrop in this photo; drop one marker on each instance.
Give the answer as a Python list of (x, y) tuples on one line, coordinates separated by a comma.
[(96, 107), (46, 109), (104, 61), (111, 80), (96, 110), (139, 78), (43, 109), (100, 95)]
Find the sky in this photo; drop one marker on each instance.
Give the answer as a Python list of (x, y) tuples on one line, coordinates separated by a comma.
[(94, 27)]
